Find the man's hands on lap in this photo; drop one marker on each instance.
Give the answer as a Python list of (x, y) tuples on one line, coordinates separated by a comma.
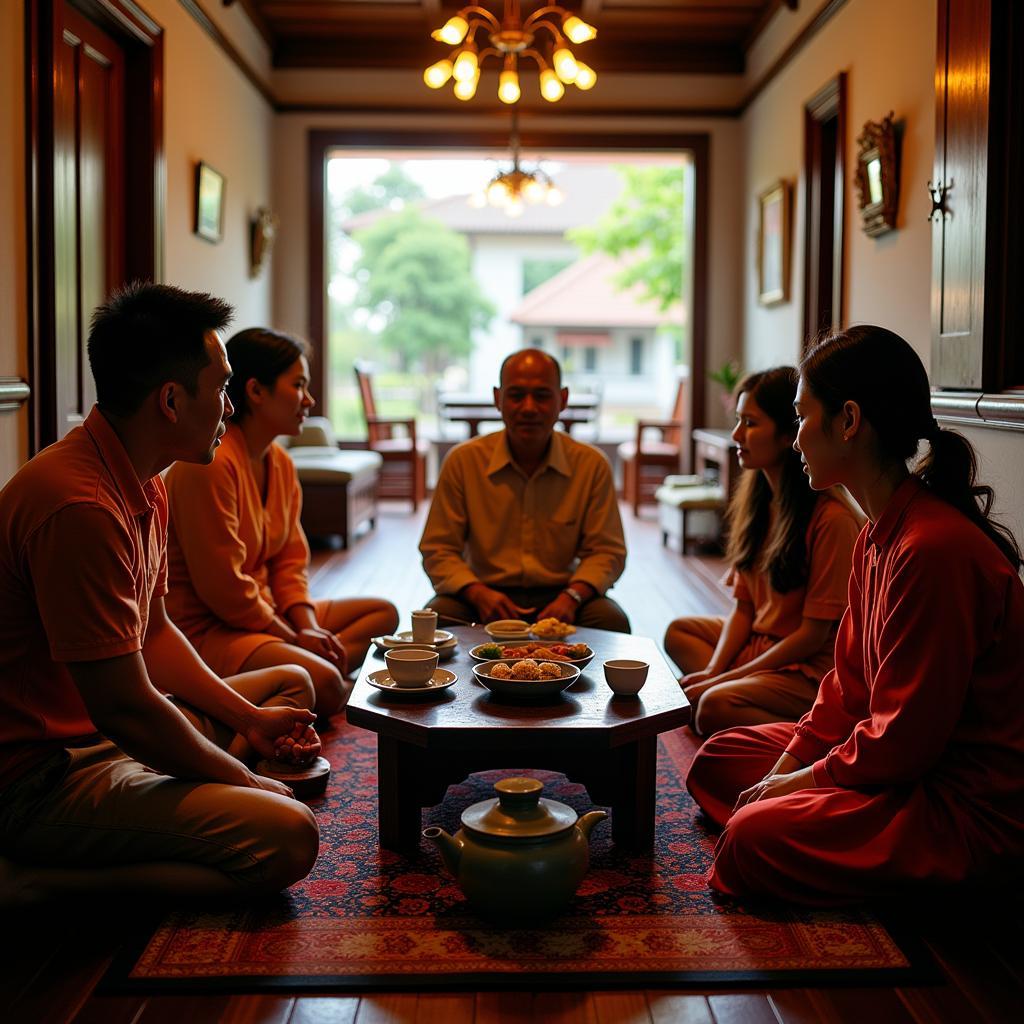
[(563, 608), (493, 604)]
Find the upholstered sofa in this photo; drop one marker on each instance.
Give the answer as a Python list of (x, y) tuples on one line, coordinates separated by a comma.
[(339, 486)]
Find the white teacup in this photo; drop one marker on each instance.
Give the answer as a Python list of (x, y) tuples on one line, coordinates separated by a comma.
[(410, 667), (626, 677), (424, 626)]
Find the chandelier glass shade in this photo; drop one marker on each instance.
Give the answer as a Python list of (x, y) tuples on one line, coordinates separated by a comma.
[(543, 37)]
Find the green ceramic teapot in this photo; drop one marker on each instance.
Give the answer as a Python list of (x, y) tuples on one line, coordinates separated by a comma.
[(518, 856)]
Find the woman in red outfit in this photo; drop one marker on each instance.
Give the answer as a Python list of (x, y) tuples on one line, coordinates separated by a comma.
[(909, 768), (789, 549)]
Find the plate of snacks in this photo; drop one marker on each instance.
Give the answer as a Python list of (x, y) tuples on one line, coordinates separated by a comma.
[(551, 629), (579, 655), (525, 678)]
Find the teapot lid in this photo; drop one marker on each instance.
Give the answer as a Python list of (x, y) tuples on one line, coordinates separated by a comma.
[(518, 813)]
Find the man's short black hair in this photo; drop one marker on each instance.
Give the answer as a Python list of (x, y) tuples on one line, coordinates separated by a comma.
[(147, 334), (539, 352)]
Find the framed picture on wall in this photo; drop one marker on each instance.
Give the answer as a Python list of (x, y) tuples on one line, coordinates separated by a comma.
[(209, 222), (773, 244)]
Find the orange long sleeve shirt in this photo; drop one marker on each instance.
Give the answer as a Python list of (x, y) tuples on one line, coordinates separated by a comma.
[(233, 558)]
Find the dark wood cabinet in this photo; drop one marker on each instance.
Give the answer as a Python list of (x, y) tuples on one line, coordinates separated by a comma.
[(976, 195)]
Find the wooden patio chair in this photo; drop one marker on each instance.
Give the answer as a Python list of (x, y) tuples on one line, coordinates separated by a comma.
[(404, 470), (646, 461)]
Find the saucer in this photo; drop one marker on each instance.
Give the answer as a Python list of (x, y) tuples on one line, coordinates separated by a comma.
[(441, 637), (445, 650), (440, 680)]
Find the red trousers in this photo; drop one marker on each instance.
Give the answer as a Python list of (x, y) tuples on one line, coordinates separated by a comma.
[(827, 846)]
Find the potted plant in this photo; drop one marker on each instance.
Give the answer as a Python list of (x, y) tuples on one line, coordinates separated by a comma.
[(728, 376)]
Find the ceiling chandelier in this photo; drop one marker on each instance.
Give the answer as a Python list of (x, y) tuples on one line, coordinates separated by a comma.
[(510, 39), (511, 190)]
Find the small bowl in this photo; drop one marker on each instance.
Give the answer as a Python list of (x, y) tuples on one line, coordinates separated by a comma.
[(508, 629), (411, 667), (626, 677)]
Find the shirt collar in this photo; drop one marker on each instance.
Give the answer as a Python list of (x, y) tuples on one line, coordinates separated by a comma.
[(556, 458), (120, 467), (881, 532)]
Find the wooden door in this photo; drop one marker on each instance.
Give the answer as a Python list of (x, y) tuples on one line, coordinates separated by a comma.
[(88, 190)]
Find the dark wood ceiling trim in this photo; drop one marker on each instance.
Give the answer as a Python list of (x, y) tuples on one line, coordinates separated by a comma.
[(589, 113), (827, 12), (256, 17), (202, 19), (374, 50)]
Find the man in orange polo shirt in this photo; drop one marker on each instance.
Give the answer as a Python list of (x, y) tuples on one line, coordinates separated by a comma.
[(106, 785)]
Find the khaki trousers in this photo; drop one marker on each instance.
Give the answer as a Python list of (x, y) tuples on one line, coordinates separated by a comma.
[(95, 807)]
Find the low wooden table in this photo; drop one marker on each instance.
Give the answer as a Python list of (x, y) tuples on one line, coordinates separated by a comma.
[(606, 743)]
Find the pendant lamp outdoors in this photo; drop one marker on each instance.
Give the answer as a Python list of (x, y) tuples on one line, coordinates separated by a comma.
[(513, 189)]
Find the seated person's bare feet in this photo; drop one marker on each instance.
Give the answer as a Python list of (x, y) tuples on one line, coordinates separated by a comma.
[(301, 746)]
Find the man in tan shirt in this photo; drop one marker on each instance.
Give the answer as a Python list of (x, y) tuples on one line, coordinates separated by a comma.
[(524, 522)]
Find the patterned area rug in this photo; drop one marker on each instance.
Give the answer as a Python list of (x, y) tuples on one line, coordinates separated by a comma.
[(373, 919)]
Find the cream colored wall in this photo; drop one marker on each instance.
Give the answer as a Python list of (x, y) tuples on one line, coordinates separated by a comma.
[(888, 279), (211, 112), (13, 273), (291, 199)]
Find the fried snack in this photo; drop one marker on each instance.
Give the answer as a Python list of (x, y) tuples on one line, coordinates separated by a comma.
[(527, 670), (577, 650), (501, 671), (552, 629), (549, 670)]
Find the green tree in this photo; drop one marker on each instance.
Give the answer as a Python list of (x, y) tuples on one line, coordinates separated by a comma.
[(393, 187), (414, 274), (646, 224)]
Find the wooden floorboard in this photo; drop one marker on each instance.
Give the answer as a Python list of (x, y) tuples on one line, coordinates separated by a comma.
[(49, 975)]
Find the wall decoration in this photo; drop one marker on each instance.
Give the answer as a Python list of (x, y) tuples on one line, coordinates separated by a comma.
[(210, 185), (263, 232), (878, 175), (773, 244)]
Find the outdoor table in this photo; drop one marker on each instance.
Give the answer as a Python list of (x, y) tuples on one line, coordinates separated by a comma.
[(476, 409), (604, 742)]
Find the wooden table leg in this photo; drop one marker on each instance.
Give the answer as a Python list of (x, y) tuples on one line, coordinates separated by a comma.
[(634, 800), (397, 795)]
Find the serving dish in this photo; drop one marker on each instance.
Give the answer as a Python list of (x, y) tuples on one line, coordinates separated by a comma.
[(525, 689), (476, 652)]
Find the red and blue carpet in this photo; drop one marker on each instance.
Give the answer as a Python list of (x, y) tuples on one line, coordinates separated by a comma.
[(367, 918)]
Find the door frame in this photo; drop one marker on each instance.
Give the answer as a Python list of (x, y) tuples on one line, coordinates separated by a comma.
[(145, 186), (698, 144)]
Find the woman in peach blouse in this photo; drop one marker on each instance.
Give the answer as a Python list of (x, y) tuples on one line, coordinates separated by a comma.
[(237, 556), (790, 550)]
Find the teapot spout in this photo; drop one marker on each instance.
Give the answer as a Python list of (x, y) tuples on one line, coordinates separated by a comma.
[(450, 847), (589, 820)]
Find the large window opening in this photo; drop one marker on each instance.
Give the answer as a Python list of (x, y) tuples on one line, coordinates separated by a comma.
[(432, 290)]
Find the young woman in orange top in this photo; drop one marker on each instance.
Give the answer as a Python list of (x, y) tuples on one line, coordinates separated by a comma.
[(237, 555), (909, 768), (790, 551)]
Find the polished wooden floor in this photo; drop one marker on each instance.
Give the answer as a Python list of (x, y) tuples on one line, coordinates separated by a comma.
[(54, 961)]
